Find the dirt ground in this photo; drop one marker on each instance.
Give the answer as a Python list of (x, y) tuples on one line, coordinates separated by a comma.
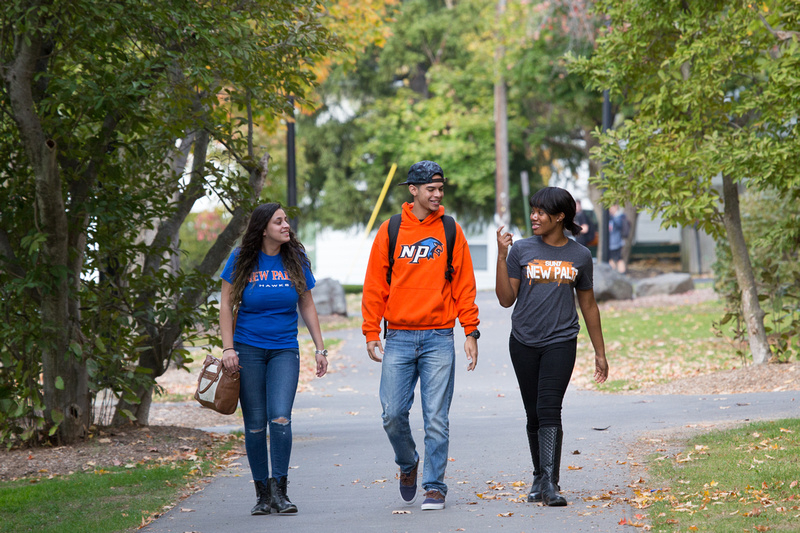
[(174, 434)]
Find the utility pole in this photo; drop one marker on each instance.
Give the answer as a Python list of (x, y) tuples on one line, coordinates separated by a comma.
[(604, 252), (291, 171), (502, 209)]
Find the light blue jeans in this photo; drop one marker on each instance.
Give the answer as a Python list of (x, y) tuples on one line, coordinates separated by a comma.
[(267, 389), (428, 356)]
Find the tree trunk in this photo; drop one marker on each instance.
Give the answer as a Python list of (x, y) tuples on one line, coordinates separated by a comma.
[(502, 208), (595, 194), (751, 308), (163, 339), (64, 373), (628, 242)]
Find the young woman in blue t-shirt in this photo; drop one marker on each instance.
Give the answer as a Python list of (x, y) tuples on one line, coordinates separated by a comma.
[(542, 274), (265, 281)]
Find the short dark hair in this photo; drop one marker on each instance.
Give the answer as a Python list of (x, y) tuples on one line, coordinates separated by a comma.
[(555, 200)]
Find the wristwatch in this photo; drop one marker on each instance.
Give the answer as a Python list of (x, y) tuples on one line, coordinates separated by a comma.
[(323, 353), (474, 333)]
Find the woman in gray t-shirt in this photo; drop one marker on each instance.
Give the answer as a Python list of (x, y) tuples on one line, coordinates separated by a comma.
[(541, 274)]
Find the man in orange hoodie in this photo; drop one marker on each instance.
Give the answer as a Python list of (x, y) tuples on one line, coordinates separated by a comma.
[(420, 306)]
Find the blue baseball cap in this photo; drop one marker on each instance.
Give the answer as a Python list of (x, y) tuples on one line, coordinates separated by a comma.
[(423, 172)]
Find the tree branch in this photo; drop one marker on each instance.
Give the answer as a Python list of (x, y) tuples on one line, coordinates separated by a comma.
[(781, 35)]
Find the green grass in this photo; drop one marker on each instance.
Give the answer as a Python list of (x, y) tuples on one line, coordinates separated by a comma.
[(656, 344), (744, 479), (106, 500), (666, 324)]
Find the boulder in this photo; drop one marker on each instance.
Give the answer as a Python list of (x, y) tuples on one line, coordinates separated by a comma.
[(672, 283), (610, 284), (329, 297)]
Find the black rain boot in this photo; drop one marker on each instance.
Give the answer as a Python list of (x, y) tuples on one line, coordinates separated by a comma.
[(279, 501), (262, 493), (550, 460), (535, 494), (557, 462)]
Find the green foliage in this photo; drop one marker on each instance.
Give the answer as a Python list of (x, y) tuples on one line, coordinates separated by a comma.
[(116, 86), (771, 224), (198, 233), (709, 81), (428, 93)]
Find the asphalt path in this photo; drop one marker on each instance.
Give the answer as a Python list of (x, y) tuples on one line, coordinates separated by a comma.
[(343, 477)]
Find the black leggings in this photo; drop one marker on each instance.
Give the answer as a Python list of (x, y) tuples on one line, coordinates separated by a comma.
[(543, 375)]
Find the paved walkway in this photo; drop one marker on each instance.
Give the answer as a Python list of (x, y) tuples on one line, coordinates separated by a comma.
[(343, 478)]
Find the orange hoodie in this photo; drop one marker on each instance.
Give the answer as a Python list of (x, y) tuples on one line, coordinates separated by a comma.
[(420, 297)]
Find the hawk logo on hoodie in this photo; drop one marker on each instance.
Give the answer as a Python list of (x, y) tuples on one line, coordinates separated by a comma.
[(427, 248)]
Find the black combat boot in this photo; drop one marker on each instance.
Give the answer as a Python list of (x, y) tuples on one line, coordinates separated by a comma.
[(535, 495), (279, 501), (262, 493), (550, 461)]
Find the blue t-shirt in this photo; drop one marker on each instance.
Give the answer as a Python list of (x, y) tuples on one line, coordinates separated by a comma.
[(268, 313)]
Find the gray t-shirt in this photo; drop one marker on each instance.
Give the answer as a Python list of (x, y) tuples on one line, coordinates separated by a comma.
[(545, 310)]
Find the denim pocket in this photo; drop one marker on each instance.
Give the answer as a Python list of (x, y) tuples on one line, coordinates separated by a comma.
[(391, 333), (447, 332)]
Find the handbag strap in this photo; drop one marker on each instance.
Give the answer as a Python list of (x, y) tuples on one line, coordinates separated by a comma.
[(205, 372)]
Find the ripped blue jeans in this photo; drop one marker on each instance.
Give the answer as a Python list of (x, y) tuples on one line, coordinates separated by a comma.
[(427, 356), (267, 391)]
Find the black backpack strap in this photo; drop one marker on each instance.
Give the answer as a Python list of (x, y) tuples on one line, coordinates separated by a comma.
[(394, 229), (449, 236)]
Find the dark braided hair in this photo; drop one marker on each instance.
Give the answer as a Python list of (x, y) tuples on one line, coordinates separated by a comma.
[(555, 200), (293, 254)]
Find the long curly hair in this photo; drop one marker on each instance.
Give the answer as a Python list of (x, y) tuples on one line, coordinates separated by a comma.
[(293, 254), (555, 200)]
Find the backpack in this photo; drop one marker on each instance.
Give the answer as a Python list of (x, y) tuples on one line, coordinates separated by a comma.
[(625, 230), (449, 235)]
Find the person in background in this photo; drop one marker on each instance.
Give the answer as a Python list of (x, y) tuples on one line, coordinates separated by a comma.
[(265, 281), (586, 234), (617, 233), (420, 306), (542, 274)]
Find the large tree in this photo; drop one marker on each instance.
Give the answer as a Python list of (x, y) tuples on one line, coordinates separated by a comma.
[(427, 93), (118, 117), (714, 83)]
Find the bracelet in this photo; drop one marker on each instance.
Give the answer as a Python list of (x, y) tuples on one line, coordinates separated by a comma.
[(226, 349), (323, 353)]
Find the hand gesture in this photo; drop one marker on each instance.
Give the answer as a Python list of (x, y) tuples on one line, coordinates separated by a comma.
[(504, 241)]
